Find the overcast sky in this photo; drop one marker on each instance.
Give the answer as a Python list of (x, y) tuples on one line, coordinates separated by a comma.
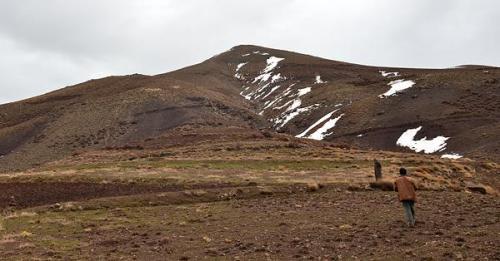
[(46, 45)]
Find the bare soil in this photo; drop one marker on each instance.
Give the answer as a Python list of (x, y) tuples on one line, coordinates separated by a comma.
[(329, 224)]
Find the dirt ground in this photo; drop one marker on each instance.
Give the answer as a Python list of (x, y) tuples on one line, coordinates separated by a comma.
[(241, 207), (329, 224)]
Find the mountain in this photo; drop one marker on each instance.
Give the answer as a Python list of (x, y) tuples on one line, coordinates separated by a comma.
[(250, 90)]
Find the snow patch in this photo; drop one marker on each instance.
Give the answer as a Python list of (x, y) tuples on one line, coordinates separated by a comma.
[(239, 75), (272, 62), (397, 86), (304, 91), (407, 139), (277, 77), (320, 133), (247, 96), (451, 156), (280, 97), (261, 53), (265, 77), (271, 91), (389, 74), (295, 104), (238, 67), (301, 92), (324, 118), (318, 79), (262, 78), (293, 111), (283, 106)]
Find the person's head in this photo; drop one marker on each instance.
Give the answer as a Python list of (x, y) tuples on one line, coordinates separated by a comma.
[(402, 171)]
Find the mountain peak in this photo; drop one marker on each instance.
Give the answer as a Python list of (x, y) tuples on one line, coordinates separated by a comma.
[(252, 87)]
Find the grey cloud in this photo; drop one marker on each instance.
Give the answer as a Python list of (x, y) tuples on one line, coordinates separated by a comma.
[(46, 45)]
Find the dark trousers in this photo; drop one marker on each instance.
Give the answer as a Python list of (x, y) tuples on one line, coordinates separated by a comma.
[(409, 211)]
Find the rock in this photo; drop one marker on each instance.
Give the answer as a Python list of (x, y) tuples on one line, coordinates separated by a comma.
[(345, 226), (212, 252), (196, 193), (312, 186), (490, 81), (480, 188), (207, 239), (164, 241), (199, 193), (260, 249), (377, 169), (410, 253), (265, 191), (385, 185), (26, 234), (355, 187)]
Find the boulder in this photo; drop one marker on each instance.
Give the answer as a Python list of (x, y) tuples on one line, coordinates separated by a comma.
[(480, 188), (312, 186)]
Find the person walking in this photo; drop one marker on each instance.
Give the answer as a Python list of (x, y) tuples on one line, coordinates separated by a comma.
[(407, 196)]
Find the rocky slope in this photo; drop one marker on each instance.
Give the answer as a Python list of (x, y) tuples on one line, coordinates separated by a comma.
[(453, 112), (448, 111)]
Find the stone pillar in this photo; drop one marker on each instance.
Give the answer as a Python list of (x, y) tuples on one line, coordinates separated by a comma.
[(378, 169)]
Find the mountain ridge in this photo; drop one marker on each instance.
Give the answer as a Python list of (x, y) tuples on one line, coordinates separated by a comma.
[(120, 111)]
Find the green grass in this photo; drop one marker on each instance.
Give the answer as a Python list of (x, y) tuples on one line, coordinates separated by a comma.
[(262, 165)]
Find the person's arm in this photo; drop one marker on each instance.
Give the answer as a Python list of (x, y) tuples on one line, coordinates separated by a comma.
[(413, 183), (395, 186)]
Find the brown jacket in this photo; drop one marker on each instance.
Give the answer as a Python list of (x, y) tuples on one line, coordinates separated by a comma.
[(405, 188)]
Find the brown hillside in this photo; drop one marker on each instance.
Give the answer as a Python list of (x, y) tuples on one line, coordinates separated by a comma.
[(178, 107)]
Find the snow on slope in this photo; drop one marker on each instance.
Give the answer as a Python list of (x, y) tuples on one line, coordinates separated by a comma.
[(397, 86), (407, 139), (262, 78), (271, 91), (324, 118), (238, 67), (320, 133), (279, 97), (451, 156), (261, 53), (389, 74), (265, 80), (237, 74), (272, 62), (262, 90), (292, 113), (304, 91), (293, 110), (289, 103), (318, 80), (268, 82)]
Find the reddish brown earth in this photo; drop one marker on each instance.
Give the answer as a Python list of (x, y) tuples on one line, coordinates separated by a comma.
[(138, 110), (331, 224), (254, 200), (180, 166)]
